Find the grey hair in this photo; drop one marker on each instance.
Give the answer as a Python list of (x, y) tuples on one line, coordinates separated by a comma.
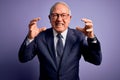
[(63, 3)]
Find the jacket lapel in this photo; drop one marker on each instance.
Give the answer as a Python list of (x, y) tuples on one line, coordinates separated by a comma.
[(70, 40), (50, 44)]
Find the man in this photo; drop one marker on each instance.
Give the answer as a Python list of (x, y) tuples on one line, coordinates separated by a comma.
[(59, 56)]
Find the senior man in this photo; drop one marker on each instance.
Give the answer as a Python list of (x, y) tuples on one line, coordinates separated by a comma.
[(59, 48)]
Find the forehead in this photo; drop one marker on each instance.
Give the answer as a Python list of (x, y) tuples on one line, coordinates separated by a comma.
[(60, 8)]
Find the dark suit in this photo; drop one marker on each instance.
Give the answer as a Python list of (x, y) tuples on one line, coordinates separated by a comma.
[(75, 46)]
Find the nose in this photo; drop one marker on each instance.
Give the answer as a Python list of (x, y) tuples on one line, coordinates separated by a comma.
[(59, 18)]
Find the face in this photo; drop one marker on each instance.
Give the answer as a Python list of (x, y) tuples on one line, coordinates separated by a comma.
[(60, 18)]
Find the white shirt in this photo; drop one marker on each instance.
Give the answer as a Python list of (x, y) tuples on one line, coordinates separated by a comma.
[(64, 35)]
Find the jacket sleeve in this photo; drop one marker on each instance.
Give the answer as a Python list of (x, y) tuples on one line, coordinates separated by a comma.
[(27, 52), (92, 51)]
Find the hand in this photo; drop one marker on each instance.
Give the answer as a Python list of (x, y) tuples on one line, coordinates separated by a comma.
[(88, 29), (33, 29)]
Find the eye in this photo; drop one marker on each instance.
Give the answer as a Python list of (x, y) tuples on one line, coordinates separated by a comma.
[(63, 15), (54, 15)]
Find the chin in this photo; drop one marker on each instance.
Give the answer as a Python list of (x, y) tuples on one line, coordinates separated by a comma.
[(60, 30)]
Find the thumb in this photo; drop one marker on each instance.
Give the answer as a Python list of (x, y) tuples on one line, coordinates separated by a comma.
[(42, 29), (80, 29)]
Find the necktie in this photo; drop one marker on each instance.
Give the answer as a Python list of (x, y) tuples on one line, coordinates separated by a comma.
[(59, 48)]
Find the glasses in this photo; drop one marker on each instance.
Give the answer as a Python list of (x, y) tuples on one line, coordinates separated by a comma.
[(55, 15)]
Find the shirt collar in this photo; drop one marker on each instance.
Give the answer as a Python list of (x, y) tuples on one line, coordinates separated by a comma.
[(64, 34)]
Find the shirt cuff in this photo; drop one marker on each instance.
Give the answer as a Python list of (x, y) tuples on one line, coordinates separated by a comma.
[(28, 41), (92, 40)]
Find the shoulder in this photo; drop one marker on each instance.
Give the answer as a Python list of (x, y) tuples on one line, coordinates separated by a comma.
[(45, 34), (76, 32), (48, 31)]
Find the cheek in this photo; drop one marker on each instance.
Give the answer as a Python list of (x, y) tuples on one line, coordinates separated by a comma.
[(67, 22), (52, 22)]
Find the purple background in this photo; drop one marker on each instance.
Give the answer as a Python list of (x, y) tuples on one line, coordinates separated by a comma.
[(16, 14)]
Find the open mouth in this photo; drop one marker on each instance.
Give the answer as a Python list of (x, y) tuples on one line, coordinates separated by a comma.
[(59, 24)]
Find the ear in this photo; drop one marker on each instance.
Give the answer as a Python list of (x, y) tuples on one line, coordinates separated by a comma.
[(49, 17), (70, 17)]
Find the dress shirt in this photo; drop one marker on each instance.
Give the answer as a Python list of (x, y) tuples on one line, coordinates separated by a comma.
[(64, 34)]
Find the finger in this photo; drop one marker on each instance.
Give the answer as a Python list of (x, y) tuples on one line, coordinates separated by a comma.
[(86, 20), (88, 25), (80, 29), (42, 29), (31, 28), (32, 24), (35, 20), (89, 30)]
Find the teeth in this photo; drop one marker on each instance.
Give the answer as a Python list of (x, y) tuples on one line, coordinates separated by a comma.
[(59, 24)]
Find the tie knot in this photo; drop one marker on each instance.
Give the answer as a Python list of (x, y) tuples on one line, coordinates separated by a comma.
[(59, 35)]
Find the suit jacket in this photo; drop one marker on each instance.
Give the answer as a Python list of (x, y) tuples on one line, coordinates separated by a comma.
[(75, 47)]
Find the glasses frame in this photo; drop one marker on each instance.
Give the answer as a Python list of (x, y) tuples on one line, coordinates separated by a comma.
[(56, 15)]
